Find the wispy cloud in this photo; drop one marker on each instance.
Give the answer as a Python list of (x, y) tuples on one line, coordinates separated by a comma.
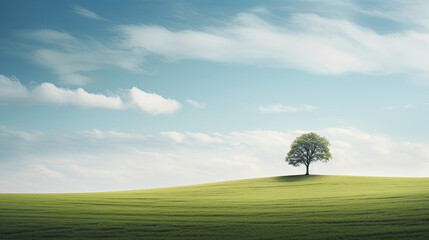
[(87, 13), (401, 106), (70, 57), (278, 108), (98, 160), (260, 11), (196, 104), (12, 92), (398, 11), (307, 42), (50, 36), (304, 41), (21, 135)]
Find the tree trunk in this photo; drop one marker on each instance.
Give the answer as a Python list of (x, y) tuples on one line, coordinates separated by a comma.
[(306, 166)]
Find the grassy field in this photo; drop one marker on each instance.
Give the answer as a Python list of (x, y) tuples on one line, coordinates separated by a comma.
[(292, 207)]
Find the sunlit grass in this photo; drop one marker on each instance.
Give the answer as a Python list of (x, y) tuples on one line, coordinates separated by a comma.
[(293, 207)]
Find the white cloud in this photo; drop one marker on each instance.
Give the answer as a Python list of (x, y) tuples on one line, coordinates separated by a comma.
[(70, 57), (87, 13), (196, 104), (374, 154), (108, 160), (408, 106), (175, 136), (49, 93), (277, 108), (304, 41), (203, 138), (152, 102), (12, 91)]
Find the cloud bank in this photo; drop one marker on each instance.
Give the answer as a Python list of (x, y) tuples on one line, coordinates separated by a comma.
[(13, 92), (98, 160), (304, 41), (307, 41)]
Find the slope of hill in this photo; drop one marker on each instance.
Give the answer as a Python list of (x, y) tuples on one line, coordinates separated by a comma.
[(293, 207)]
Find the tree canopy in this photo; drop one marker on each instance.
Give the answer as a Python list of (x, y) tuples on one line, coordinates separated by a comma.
[(308, 148)]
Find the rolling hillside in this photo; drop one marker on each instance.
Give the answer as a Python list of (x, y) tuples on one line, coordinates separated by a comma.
[(292, 207)]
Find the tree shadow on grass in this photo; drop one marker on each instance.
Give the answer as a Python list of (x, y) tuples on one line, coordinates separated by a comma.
[(296, 178)]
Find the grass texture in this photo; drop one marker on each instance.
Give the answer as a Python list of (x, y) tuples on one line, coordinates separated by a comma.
[(289, 207)]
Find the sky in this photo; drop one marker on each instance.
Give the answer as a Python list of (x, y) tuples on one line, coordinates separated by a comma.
[(113, 95)]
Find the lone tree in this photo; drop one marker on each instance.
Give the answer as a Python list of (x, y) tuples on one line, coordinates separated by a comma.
[(308, 148)]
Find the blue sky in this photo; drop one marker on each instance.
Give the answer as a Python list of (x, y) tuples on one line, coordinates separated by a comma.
[(107, 95)]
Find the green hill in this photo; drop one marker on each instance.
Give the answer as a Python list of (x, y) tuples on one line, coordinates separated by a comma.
[(290, 207)]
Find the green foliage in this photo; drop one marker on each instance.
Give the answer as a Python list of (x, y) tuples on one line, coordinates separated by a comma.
[(308, 148), (292, 207)]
